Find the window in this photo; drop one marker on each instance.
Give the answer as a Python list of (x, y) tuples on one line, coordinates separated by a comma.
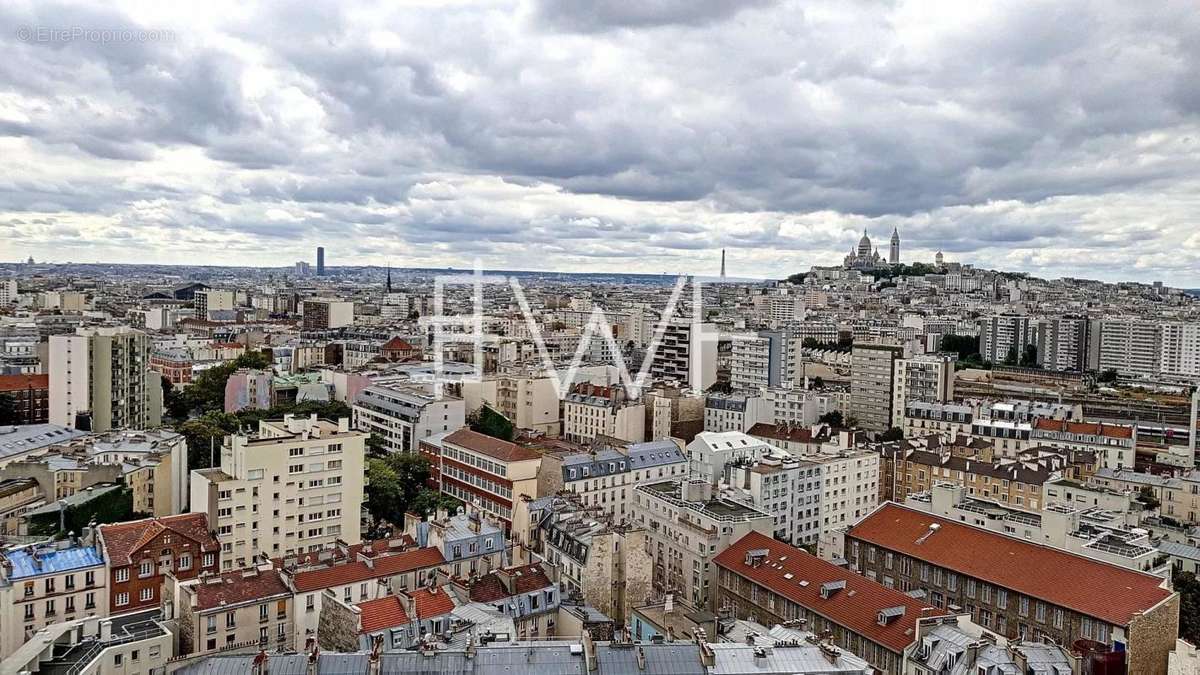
[(263, 612), (185, 561), (145, 568), (210, 559), (147, 594), (89, 578), (122, 574), (230, 620), (122, 599)]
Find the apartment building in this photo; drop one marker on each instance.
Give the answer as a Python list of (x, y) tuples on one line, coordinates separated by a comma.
[(1071, 520), (152, 463), (45, 584), (1008, 482), (591, 411), (795, 440), (141, 552), (103, 374), (1004, 336), (294, 485), (486, 472), (605, 477), (737, 411), (354, 574), (711, 452), (768, 358), (8, 292), (1041, 593), (599, 562), (209, 301), (687, 354), (248, 389), (928, 378), (1179, 496), (1131, 346), (779, 584), (872, 378), (1179, 350), (686, 525), (1113, 444), (246, 609), (404, 415), (1009, 438), (1063, 343), (947, 420), (324, 314), (29, 395), (804, 407)]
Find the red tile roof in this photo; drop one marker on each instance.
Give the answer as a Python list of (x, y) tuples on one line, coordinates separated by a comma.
[(1084, 428), (381, 613), (353, 570), (1113, 594), (23, 382), (403, 542), (430, 603), (492, 447), (239, 586), (123, 539), (488, 588), (856, 607), (398, 344), (530, 578)]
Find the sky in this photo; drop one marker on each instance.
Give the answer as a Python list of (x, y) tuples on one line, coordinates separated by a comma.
[(1057, 138)]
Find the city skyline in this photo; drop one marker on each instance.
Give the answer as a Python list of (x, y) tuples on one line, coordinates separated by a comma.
[(573, 130)]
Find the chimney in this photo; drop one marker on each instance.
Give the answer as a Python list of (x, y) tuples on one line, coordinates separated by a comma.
[(589, 652)]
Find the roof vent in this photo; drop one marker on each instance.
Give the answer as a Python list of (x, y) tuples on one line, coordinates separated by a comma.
[(829, 588), (933, 527), (889, 614)]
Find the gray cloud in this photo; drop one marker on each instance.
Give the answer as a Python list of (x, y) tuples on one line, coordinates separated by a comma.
[(606, 130)]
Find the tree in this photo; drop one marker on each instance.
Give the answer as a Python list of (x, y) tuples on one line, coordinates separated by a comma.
[(491, 423), (174, 403), (8, 410), (206, 393), (1148, 499), (205, 433), (1109, 375), (394, 482), (1029, 356), (893, 434), (817, 383), (428, 502), (833, 418), (963, 345), (1011, 358), (1189, 604), (376, 445)]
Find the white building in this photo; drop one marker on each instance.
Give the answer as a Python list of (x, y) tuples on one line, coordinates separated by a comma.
[(104, 371), (686, 527), (710, 452), (592, 411), (735, 412), (295, 485), (404, 415), (210, 301), (687, 354), (928, 378)]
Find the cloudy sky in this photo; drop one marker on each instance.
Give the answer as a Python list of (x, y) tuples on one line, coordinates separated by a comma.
[(1059, 138)]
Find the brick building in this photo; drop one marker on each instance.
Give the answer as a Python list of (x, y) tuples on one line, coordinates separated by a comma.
[(139, 554), (30, 396), (1019, 589), (485, 471), (775, 583)]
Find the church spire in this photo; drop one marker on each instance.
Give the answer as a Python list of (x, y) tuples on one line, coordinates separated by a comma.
[(389, 278)]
